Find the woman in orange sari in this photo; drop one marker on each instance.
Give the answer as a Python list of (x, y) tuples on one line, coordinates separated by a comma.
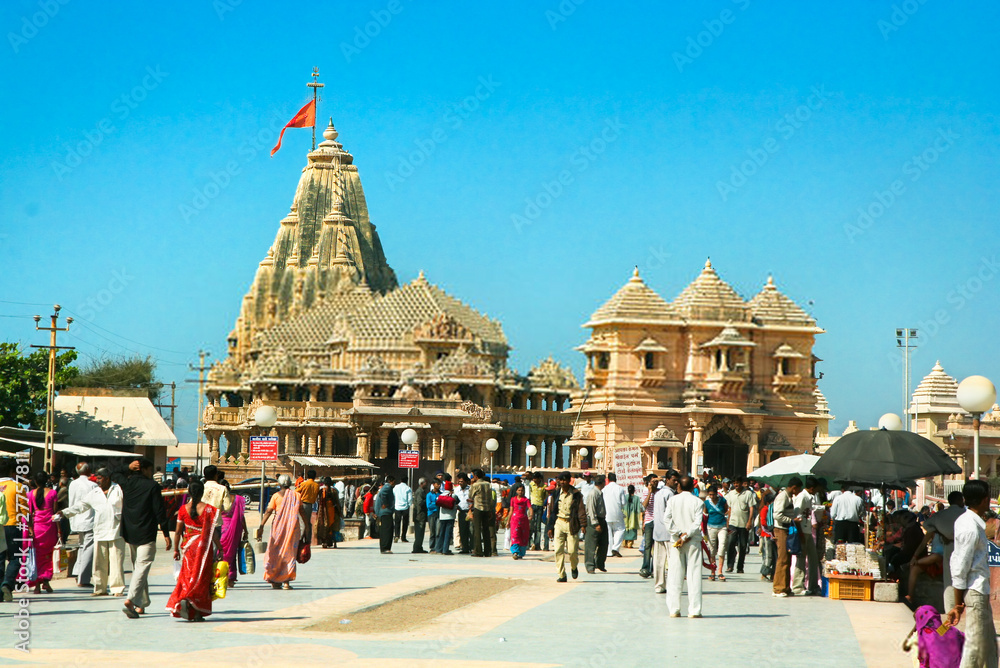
[(328, 519), (196, 541), (286, 532)]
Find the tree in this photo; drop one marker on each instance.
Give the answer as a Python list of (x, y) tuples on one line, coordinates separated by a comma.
[(135, 372), (24, 382)]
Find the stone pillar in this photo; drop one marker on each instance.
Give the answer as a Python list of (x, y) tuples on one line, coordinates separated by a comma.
[(696, 449), (503, 454), (753, 459), (448, 453), (363, 447), (557, 453), (311, 434), (244, 444), (213, 446)]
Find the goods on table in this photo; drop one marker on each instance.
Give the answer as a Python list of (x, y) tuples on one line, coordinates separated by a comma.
[(854, 559)]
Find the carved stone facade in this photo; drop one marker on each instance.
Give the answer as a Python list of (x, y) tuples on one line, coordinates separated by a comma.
[(349, 358), (706, 381)]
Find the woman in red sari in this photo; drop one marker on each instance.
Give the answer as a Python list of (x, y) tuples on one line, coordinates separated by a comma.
[(196, 540), (286, 532), (44, 533), (520, 521)]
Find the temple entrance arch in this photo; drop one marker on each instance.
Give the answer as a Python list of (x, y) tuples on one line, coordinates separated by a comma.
[(726, 447)]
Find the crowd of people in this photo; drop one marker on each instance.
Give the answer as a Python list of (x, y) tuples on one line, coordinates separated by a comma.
[(684, 528)]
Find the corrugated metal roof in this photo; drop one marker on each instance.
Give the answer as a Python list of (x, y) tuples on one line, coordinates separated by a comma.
[(345, 462), (78, 450)]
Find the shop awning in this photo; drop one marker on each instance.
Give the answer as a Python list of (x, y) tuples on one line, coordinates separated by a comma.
[(341, 462), (78, 450)]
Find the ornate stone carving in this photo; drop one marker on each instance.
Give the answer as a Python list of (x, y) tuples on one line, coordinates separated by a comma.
[(442, 328), (728, 423), (478, 413)]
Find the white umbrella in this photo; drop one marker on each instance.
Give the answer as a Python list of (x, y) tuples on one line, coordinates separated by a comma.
[(781, 470)]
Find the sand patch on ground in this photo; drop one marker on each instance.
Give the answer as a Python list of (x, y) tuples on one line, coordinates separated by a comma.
[(417, 609)]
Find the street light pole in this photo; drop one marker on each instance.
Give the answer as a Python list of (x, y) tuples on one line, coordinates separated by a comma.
[(50, 398), (976, 394), (903, 341), (492, 445)]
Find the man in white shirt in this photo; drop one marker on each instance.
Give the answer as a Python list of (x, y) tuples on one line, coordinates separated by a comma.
[(683, 519), (341, 488), (742, 506), (942, 523), (216, 494), (661, 536), (846, 510), (614, 505), (464, 533), (104, 501), (808, 558), (970, 576), (83, 524), (403, 496)]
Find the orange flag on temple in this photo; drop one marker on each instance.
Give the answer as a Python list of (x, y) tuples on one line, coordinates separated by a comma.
[(305, 118)]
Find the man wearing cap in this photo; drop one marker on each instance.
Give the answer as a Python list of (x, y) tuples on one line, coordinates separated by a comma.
[(567, 516), (104, 500)]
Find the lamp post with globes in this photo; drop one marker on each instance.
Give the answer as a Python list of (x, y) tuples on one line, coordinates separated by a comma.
[(492, 445), (264, 417), (583, 453), (409, 438), (531, 451), (598, 457), (976, 394)]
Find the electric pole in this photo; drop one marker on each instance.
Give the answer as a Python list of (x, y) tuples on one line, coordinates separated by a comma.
[(201, 369), (50, 417)]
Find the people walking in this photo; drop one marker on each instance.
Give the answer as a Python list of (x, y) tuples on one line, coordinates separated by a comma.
[(614, 507), (195, 548), (522, 512), (970, 576), (234, 533), (683, 519), (419, 515), (464, 506), (385, 508), (104, 501), (661, 535), (43, 523), (717, 512), (633, 517), (433, 517), (329, 515), (596, 536), (286, 508), (403, 498), (785, 519), (742, 510), (142, 513), (536, 495), (447, 508), (567, 517), (481, 499), (805, 580), (83, 525)]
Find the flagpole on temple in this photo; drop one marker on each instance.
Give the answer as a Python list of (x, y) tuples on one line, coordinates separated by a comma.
[(315, 85)]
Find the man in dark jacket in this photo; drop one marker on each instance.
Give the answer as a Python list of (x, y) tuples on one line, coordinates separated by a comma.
[(385, 508), (567, 515), (142, 513), (419, 516)]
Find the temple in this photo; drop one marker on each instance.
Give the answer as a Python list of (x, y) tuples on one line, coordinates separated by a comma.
[(707, 381), (349, 358)]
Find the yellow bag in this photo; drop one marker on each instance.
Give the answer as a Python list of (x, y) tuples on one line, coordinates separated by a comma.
[(221, 580)]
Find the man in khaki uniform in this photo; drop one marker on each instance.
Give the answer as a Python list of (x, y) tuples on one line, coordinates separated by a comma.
[(567, 516)]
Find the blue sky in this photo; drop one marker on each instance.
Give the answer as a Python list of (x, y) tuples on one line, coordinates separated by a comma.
[(137, 192)]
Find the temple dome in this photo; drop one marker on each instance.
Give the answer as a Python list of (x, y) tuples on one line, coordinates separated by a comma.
[(709, 297), (771, 307), (634, 303), (937, 393)]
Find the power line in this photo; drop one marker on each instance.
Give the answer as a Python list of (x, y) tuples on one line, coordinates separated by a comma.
[(139, 343), (121, 345)]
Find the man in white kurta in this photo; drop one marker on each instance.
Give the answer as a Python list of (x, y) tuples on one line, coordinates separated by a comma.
[(661, 538), (104, 502), (683, 519), (614, 505)]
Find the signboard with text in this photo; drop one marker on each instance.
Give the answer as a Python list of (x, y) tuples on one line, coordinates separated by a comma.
[(628, 465), (409, 459), (263, 448), (992, 554)]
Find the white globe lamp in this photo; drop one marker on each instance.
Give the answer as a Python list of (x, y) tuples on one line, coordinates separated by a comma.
[(977, 395), (408, 437), (890, 422)]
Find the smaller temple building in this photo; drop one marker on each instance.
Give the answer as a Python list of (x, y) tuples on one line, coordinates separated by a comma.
[(707, 381)]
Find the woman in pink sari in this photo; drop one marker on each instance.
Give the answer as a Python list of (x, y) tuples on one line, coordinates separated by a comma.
[(195, 540), (520, 521), (44, 533), (234, 532), (286, 532)]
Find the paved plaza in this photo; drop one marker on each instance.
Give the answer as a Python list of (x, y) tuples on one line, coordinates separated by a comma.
[(603, 619)]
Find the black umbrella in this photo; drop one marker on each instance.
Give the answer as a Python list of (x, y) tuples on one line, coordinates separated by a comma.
[(883, 457)]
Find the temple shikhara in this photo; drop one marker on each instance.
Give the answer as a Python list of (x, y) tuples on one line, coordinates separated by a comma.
[(707, 381), (349, 358)]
